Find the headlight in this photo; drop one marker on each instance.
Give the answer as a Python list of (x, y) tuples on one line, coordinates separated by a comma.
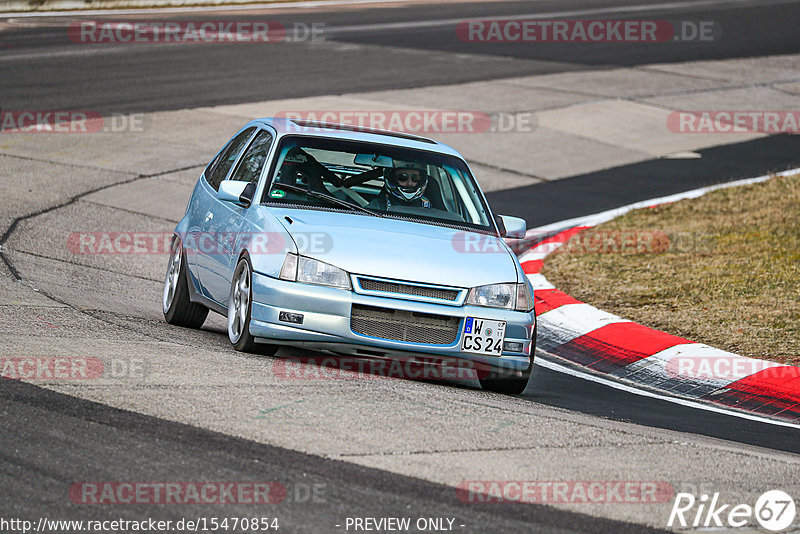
[(310, 271), (493, 296), (506, 296)]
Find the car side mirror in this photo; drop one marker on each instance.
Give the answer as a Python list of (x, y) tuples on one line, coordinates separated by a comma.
[(241, 193), (512, 227)]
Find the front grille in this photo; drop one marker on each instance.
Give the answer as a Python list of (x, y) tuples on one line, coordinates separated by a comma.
[(370, 284), (400, 325)]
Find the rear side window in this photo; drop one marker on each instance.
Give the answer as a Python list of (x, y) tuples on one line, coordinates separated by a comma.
[(218, 169), (249, 167)]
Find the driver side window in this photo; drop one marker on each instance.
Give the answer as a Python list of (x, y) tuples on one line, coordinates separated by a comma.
[(218, 169), (249, 167)]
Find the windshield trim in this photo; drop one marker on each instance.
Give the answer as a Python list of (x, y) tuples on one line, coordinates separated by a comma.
[(384, 215)]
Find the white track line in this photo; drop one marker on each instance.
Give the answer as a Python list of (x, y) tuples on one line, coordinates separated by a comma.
[(571, 321), (732, 4), (597, 218), (181, 9), (604, 216), (553, 366)]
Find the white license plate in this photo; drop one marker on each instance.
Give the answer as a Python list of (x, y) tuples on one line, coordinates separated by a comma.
[(483, 336)]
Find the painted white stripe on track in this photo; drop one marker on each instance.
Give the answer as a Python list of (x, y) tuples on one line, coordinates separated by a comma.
[(539, 282), (540, 251), (723, 4), (571, 321), (182, 9), (616, 384), (564, 325), (605, 216), (627, 10), (702, 363)]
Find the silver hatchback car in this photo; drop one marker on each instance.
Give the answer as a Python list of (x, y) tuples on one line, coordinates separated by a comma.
[(358, 242)]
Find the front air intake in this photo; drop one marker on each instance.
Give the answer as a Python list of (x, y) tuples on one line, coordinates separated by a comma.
[(401, 325)]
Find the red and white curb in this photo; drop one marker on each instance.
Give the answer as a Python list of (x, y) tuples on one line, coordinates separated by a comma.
[(606, 348)]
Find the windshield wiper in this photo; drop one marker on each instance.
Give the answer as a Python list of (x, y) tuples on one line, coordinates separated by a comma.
[(329, 198)]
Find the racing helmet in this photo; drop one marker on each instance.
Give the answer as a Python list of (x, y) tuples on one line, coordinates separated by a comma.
[(407, 180)]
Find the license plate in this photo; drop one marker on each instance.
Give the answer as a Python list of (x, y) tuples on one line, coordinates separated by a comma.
[(483, 336)]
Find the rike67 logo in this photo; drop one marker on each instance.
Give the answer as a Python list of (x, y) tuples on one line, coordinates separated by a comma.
[(774, 511)]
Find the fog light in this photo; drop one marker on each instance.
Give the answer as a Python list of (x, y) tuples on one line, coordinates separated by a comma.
[(513, 346), (286, 317)]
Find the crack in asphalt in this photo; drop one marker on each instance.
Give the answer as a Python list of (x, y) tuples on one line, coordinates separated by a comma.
[(13, 226), (132, 212), (509, 171), (78, 264), (75, 165), (500, 449), (15, 223)]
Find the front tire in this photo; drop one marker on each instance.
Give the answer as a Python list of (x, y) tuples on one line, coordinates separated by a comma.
[(178, 309), (510, 385), (239, 308)]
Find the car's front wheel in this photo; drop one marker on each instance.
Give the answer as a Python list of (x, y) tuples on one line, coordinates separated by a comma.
[(502, 382), (509, 385), (240, 305), (178, 309)]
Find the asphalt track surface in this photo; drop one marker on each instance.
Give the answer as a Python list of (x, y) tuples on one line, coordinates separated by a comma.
[(599, 191), (362, 52), (51, 440), (37, 482)]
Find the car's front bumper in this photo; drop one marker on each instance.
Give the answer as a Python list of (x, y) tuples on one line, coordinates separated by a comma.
[(326, 323)]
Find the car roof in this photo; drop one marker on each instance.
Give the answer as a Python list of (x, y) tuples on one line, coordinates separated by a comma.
[(354, 133)]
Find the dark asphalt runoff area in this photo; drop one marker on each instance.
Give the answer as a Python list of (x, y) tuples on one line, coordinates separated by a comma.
[(49, 440), (594, 192), (43, 69), (46, 450)]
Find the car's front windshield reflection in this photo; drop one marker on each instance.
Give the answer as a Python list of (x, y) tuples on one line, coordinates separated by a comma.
[(391, 181)]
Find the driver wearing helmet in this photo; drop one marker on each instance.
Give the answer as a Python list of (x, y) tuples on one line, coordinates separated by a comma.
[(404, 186)]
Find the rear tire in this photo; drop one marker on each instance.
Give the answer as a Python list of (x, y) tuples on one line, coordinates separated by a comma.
[(178, 309)]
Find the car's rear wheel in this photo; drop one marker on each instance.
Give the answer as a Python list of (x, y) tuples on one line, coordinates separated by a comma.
[(240, 305), (178, 309), (503, 382)]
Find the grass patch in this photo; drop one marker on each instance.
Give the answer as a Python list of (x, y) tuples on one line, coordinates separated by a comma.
[(722, 269)]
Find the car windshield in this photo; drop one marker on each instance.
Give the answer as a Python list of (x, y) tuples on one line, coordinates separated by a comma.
[(385, 180)]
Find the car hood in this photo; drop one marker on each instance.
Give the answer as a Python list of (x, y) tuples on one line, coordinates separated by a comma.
[(402, 250)]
